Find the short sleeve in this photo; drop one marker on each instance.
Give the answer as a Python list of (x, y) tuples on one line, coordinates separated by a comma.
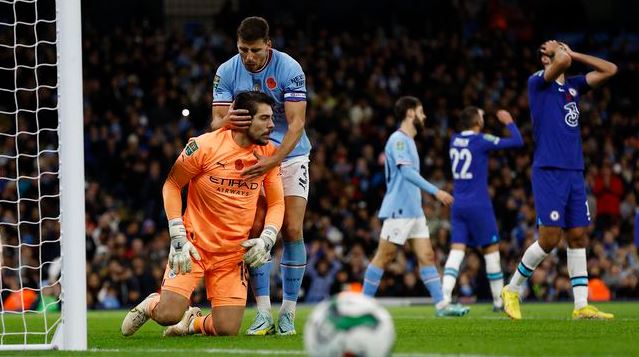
[(222, 86), (295, 83), (580, 83), (399, 151), (536, 81)]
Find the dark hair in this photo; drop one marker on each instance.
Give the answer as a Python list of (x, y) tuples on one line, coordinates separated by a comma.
[(250, 99), (468, 117), (252, 29), (403, 104)]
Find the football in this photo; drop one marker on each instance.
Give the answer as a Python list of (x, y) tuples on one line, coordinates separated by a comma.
[(349, 324)]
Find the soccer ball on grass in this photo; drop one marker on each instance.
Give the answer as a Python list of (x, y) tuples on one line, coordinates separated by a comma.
[(349, 324)]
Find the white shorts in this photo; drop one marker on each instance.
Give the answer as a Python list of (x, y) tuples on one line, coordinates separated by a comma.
[(399, 230), (295, 178)]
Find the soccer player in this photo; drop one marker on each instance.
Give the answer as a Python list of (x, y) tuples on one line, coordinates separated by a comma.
[(557, 176), (401, 209), (211, 239), (473, 218), (260, 67)]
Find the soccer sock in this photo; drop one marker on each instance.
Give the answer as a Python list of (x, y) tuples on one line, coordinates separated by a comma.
[(578, 271), (433, 283), (204, 325), (533, 256), (260, 283), (293, 265), (372, 277), (451, 271), (152, 305), (495, 276)]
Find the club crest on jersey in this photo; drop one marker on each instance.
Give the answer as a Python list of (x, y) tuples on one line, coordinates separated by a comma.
[(271, 83), (239, 165), (572, 117), (257, 86), (190, 148)]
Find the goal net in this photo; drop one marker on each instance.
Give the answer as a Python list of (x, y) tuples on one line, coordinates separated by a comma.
[(42, 257)]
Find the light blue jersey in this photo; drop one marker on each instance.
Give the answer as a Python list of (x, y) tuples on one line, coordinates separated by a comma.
[(281, 77), (403, 199)]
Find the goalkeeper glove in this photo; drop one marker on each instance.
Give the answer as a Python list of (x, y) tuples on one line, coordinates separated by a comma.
[(181, 249), (259, 249)]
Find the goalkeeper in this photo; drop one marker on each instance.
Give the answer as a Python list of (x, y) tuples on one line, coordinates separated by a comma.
[(210, 240)]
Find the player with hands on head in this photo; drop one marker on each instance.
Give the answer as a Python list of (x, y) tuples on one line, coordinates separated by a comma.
[(558, 183), (210, 240)]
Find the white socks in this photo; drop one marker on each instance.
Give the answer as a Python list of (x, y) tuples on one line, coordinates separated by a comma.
[(533, 256), (288, 306), (495, 276), (578, 271), (451, 271), (263, 303)]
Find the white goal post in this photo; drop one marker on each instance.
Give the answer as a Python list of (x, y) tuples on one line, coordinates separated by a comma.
[(27, 266)]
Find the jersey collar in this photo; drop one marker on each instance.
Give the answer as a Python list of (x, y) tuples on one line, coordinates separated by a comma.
[(467, 132), (268, 60)]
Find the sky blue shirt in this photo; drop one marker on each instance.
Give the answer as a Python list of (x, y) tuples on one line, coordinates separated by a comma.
[(281, 77), (402, 199), (554, 109)]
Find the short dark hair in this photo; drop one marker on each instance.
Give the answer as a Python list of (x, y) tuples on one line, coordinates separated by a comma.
[(250, 99), (403, 104), (252, 29), (469, 117)]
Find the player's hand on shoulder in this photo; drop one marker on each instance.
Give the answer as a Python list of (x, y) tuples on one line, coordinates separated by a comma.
[(504, 117), (444, 197), (237, 118), (181, 249)]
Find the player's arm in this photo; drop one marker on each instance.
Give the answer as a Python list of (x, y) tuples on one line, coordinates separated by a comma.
[(560, 60), (259, 249), (603, 69), (184, 169), (411, 175), (295, 112), (515, 140), (222, 112)]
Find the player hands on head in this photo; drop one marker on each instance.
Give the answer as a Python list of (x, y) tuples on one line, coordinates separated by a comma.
[(401, 210), (210, 240), (558, 186)]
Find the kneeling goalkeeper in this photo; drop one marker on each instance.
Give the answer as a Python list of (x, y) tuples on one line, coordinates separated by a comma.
[(211, 239)]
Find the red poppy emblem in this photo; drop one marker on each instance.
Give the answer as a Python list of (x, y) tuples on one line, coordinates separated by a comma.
[(271, 83), (239, 165)]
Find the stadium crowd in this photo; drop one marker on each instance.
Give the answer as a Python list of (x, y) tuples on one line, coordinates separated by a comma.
[(138, 79)]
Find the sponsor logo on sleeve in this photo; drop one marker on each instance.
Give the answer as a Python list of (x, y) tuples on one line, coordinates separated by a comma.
[(216, 82), (191, 147), (298, 80), (400, 146)]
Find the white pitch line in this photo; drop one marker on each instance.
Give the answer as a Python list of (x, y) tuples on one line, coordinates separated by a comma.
[(263, 352)]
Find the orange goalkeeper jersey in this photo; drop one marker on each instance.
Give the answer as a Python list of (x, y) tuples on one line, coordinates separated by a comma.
[(221, 205)]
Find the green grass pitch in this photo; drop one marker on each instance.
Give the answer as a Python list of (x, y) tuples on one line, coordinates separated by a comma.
[(546, 330)]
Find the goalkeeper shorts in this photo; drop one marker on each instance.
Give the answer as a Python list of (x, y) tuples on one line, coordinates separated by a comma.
[(225, 277)]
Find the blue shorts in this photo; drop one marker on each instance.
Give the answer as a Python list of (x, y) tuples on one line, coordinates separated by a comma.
[(560, 198), (474, 226)]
